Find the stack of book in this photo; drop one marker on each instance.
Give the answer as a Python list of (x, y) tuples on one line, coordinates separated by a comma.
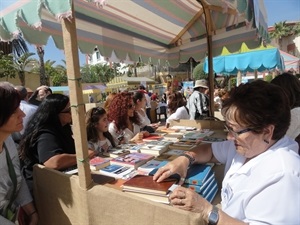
[(133, 160), (150, 166), (196, 135), (201, 179), (117, 171), (98, 162), (155, 148), (146, 187)]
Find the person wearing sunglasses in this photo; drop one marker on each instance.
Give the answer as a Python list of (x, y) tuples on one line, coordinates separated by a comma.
[(47, 139), (124, 120), (262, 174)]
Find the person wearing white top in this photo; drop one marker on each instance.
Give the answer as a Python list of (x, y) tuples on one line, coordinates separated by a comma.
[(99, 138), (14, 192), (262, 173), (124, 121), (177, 108), (291, 86), (140, 103)]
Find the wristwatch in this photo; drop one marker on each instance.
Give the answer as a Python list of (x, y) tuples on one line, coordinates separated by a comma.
[(213, 216), (190, 158)]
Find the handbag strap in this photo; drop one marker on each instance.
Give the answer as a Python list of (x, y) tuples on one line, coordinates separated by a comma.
[(12, 175)]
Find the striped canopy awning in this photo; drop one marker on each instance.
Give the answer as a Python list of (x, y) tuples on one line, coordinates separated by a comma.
[(156, 31)]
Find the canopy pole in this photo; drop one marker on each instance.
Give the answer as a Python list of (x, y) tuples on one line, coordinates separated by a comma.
[(76, 99), (208, 26)]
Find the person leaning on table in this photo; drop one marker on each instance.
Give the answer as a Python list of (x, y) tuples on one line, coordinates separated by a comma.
[(261, 183)]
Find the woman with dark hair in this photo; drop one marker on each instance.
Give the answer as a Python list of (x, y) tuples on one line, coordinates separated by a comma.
[(177, 108), (261, 163), (47, 139), (125, 122), (139, 100), (291, 86), (99, 139), (14, 192)]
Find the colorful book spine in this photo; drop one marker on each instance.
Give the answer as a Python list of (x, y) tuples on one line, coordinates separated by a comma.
[(197, 174)]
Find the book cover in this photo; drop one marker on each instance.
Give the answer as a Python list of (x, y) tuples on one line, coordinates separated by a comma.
[(186, 128), (154, 150), (196, 135), (146, 184), (116, 152), (182, 145), (197, 174), (212, 194), (208, 188), (132, 148), (174, 152), (116, 171), (98, 162), (151, 165), (153, 137), (199, 188), (165, 157), (212, 139), (132, 160), (173, 137)]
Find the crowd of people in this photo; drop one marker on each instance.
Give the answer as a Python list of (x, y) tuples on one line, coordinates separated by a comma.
[(261, 155)]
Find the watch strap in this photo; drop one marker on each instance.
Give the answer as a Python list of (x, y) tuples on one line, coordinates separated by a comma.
[(189, 157), (213, 216)]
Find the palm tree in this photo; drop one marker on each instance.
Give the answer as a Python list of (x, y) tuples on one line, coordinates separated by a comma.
[(7, 66), (20, 64), (281, 29), (43, 79)]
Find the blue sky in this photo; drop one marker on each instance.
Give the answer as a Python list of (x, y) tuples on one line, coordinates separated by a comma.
[(277, 10)]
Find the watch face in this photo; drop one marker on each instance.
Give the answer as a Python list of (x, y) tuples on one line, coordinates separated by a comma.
[(213, 217)]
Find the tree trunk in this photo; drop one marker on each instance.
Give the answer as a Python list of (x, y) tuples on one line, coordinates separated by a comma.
[(43, 78), (22, 78)]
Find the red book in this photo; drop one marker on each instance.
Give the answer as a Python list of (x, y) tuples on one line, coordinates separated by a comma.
[(132, 160), (98, 163)]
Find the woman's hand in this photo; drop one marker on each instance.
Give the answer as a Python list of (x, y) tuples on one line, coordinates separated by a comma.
[(189, 200), (145, 134), (91, 153), (178, 165)]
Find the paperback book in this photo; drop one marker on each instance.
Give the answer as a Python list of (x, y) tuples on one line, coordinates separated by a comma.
[(196, 135), (212, 139), (146, 185), (197, 174), (98, 162), (132, 159), (155, 150), (212, 193), (200, 188), (116, 171), (182, 145), (151, 165), (116, 152)]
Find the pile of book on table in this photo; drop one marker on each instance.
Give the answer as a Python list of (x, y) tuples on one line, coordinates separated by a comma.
[(201, 179)]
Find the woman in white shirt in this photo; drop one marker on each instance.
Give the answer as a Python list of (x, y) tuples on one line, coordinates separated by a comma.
[(139, 100), (125, 122), (262, 174), (177, 108)]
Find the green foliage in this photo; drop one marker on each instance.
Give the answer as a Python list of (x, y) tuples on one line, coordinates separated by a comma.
[(268, 78), (198, 72), (7, 68), (97, 73), (20, 64), (282, 29)]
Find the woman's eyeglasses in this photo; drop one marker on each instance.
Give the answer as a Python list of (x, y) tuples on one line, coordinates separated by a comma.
[(235, 134)]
